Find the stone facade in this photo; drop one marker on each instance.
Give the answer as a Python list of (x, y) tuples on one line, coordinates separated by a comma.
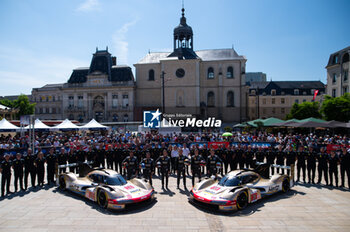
[(104, 91), (338, 73), (205, 83)]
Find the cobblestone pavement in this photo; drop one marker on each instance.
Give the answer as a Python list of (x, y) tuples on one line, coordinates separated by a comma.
[(304, 208)]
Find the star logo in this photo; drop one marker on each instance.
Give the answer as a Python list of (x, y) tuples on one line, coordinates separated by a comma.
[(156, 115), (151, 119)]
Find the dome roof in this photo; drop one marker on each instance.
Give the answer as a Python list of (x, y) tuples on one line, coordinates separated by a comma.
[(183, 29)]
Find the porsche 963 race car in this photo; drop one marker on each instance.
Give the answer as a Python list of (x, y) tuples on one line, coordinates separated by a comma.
[(238, 188), (104, 186)]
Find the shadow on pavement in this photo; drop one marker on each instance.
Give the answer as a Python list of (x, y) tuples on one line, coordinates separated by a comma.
[(251, 208), (322, 186), (22, 193), (129, 209)]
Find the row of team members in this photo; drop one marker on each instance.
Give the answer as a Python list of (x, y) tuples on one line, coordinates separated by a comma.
[(130, 162)]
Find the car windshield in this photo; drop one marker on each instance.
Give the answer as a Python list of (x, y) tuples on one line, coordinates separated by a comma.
[(115, 180), (230, 181)]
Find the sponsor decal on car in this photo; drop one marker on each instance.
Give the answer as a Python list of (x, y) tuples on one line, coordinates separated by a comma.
[(273, 188)]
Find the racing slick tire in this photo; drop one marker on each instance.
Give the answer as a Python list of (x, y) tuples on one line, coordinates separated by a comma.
[(102, 199), (62, 183), (242, 200), (285, 185)]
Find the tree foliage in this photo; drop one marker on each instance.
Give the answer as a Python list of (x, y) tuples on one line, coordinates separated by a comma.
[(337, 108), (304, 110), (21, 103)]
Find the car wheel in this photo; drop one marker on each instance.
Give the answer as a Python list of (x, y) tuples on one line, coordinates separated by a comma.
[(242, 200), (285, 185), (102, 199), (62, 183)]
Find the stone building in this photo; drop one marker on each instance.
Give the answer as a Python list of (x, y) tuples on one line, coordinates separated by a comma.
[(104, 91), (338, 73), (205, 83), (276, 98)]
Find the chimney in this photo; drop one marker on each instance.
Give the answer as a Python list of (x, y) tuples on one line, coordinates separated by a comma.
[(114, 60)]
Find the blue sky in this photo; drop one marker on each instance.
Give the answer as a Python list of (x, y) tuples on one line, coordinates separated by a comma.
[(41, 41)]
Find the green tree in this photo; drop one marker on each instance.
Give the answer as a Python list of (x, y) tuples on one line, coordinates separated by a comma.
[(336, 108), (23, 105), (6, 102), (304, 110)]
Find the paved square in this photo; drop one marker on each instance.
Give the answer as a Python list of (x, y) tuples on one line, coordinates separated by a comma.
[(304, 208)]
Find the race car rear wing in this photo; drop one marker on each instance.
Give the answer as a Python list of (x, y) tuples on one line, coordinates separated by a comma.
[(84, 167), (263, 171)]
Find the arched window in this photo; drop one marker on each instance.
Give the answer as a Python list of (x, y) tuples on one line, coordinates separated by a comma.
[(229, 73), (210, 73), (126, 117), (210, 99), (151, 75), (115, 101), (230, 99)]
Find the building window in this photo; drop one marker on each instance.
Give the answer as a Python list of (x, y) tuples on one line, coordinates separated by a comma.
[(273, 110), (253, 92), (210, 99), (264, 111), (273, 92), (125, 100), (296, 91), (71, 101), (47, 98), (229, 73), (334, 92), (297, 101), (44, 110), (273, 101), (264, 93), (346, 73), (334, 78), (210, 73), (115, 118), (53, 98), (304, 92), (40, 110), (335, 59), (283, 93), (346, 89), (304, 100), (151, 75), (283, 100), (126, 118), (50, 110), (230, 99), (71, 117), (283, 110), (264, 101), (115, 101), (54, 110), (80, 118), (80, 101)]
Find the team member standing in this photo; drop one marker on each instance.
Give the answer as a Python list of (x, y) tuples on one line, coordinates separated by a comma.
[(110, 157), (148, 170), (180, 168), (249, 155), (72, 158), (344, 166), (131, 164), (29, 168), (164, 168), (186, 152), (301, 163), (196, 166), (40, 167), (62, 160), (260, 155), (280, 158), (212, 162), (311, 165), (5, 169), (322, 165), (51, 160), (174, 155), (270, 157), (333, 168), (18, 164), (290, 158)]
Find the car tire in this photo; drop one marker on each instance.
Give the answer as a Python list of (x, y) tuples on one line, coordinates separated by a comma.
[(242, 200), (62, 183), (102, 199), (285, 185)]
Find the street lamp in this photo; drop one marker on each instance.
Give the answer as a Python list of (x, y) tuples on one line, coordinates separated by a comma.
[(163, 92)]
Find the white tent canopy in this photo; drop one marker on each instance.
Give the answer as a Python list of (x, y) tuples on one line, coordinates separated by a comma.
[(93, 124), (66, 125), (39, 125), (6, 125)]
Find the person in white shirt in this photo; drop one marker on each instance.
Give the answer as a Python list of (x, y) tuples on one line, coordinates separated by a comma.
[(174, 155), (186, 152)]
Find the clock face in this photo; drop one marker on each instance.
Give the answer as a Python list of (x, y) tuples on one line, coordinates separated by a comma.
[(180, 73)]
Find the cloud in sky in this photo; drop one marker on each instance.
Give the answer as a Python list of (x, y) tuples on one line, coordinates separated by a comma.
[(120, 43), (89, 5), (25, 70)]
